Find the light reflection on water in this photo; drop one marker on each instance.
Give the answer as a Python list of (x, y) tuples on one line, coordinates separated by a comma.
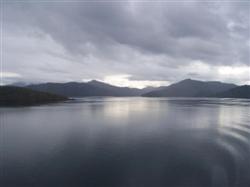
[(120, 142)]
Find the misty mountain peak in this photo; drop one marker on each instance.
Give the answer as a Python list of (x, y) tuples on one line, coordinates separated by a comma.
[(96, 82), (188, 81), (93, 81)]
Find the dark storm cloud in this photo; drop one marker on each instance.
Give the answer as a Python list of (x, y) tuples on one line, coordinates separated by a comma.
[(149, 41)]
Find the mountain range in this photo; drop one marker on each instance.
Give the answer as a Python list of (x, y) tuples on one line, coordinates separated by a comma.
[(191, 88), (184, 88), (91, 88)]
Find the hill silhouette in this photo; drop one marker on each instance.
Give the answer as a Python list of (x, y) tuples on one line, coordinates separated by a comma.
[(184, 88), (17, 96), (238, 92), (191, 88), (91, 88)]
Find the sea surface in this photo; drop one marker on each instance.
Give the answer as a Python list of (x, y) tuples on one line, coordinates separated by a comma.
[(127, 142)]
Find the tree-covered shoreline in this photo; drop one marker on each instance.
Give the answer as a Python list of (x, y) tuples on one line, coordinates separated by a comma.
[(17, 96)]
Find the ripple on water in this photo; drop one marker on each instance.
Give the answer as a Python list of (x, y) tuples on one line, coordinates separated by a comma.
[(234, 142)]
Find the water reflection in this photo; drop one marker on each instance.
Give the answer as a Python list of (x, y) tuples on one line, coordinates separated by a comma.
[(120, 142)]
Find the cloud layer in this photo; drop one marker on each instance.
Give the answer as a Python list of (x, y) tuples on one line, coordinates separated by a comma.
[(148, 42)]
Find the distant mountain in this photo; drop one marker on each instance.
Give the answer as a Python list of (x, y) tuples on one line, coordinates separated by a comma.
[(185, 88), (19, 84), (149, 89), (17, 96), (92, 88), (191, 88), (238, 92)]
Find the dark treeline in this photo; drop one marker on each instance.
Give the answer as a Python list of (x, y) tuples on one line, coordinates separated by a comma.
[(17, 96)]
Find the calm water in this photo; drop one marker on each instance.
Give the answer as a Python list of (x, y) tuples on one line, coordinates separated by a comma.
[(127, 142)]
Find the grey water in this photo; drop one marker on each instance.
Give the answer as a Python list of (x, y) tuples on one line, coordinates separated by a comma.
[(127, 142)]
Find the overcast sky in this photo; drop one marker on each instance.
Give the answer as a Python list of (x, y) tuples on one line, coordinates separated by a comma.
[(126, 43)]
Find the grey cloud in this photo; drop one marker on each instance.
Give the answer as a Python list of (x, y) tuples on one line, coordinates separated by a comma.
[(118, 37)]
